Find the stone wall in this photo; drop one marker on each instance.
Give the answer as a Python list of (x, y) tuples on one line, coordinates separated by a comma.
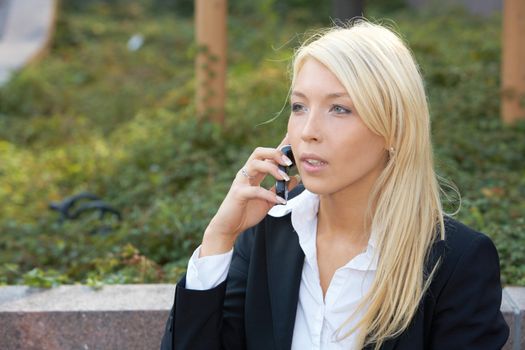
[(78, 317), (128, 317)]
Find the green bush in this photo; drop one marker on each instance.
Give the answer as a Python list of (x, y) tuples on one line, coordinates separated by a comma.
[(94, 117)]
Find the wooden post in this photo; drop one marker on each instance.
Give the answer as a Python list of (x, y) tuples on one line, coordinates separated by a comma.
[(513, 61), (210, 28)]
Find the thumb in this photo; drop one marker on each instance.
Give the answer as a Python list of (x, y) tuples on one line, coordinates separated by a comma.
[(294, 181)]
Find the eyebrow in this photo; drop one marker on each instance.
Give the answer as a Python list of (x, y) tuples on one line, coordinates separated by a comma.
[(330, 96)]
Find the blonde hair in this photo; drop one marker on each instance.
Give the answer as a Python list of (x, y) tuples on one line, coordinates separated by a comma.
[(385, 85)]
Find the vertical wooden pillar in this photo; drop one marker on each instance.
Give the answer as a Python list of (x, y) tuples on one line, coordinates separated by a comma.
[(513, 61), (210, 28)]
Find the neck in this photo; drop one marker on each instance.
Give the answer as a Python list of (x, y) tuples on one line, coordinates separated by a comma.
[(343, 214)]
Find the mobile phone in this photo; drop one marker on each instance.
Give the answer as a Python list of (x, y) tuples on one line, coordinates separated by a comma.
[(281, 187)]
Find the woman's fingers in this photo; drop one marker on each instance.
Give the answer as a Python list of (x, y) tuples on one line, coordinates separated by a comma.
[(263, 167), (247, 202), (256, 192), (253, 169), (263, 161), (265, 153), (294, 181)]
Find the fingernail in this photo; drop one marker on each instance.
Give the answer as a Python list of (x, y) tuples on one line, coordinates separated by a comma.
[(284, 175), (287, 160), (280, 200)]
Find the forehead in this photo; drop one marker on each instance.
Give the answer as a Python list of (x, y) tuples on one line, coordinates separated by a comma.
[(312, 75)]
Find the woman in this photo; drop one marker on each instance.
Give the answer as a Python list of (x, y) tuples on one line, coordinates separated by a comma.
[(362, 256)]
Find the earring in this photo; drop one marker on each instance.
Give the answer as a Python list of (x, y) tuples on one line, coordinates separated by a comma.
[(391, 152)]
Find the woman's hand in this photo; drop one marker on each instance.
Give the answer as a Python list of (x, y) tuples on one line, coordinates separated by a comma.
[(247, 202)]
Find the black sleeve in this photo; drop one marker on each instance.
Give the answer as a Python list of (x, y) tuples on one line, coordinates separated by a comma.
[(212, 319), (467, 314)]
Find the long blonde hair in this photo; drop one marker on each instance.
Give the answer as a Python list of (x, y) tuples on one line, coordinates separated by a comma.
[(385, 85)]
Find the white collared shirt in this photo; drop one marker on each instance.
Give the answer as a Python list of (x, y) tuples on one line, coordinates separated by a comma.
[(316, 320)]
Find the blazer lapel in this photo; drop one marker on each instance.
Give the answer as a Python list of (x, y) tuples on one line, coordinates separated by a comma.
[(437, 250), (285, 260), (388, 345), (285, 264)]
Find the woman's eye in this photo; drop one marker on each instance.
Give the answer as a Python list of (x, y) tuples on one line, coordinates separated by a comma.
[(297, 107), (341, 110)]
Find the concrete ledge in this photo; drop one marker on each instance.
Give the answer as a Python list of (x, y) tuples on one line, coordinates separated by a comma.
[(513, 307), (78, 317), (129, 317)]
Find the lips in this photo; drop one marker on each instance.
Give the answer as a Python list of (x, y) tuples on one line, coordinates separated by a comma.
[(312, 163), (312, 159)]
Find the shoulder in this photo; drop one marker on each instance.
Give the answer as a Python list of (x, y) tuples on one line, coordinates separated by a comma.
[(463, 302), (461, 239), (464, 253), (457, 233)]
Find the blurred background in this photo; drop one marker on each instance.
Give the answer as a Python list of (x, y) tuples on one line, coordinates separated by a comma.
[(108, 111)]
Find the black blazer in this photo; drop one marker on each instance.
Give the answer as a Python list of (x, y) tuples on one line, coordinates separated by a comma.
[(255, 307)]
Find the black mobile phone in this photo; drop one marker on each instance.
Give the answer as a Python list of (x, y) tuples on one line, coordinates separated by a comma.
[(281, 187)]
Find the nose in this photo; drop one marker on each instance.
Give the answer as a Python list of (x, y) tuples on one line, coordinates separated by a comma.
[(311, 131)]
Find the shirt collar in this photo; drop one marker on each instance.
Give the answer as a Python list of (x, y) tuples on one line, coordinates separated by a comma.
[(304, 208), (306, 202)]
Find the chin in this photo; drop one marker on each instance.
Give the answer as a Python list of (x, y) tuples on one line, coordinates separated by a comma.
[(316, 186)]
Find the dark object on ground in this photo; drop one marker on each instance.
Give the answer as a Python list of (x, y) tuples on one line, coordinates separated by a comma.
[(73, 207)]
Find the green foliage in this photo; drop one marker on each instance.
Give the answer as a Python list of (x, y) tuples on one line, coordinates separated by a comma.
[(93, 116)]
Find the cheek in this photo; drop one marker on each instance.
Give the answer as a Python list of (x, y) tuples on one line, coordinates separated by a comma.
[(291, 124), (363, 150), (294, 130)]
